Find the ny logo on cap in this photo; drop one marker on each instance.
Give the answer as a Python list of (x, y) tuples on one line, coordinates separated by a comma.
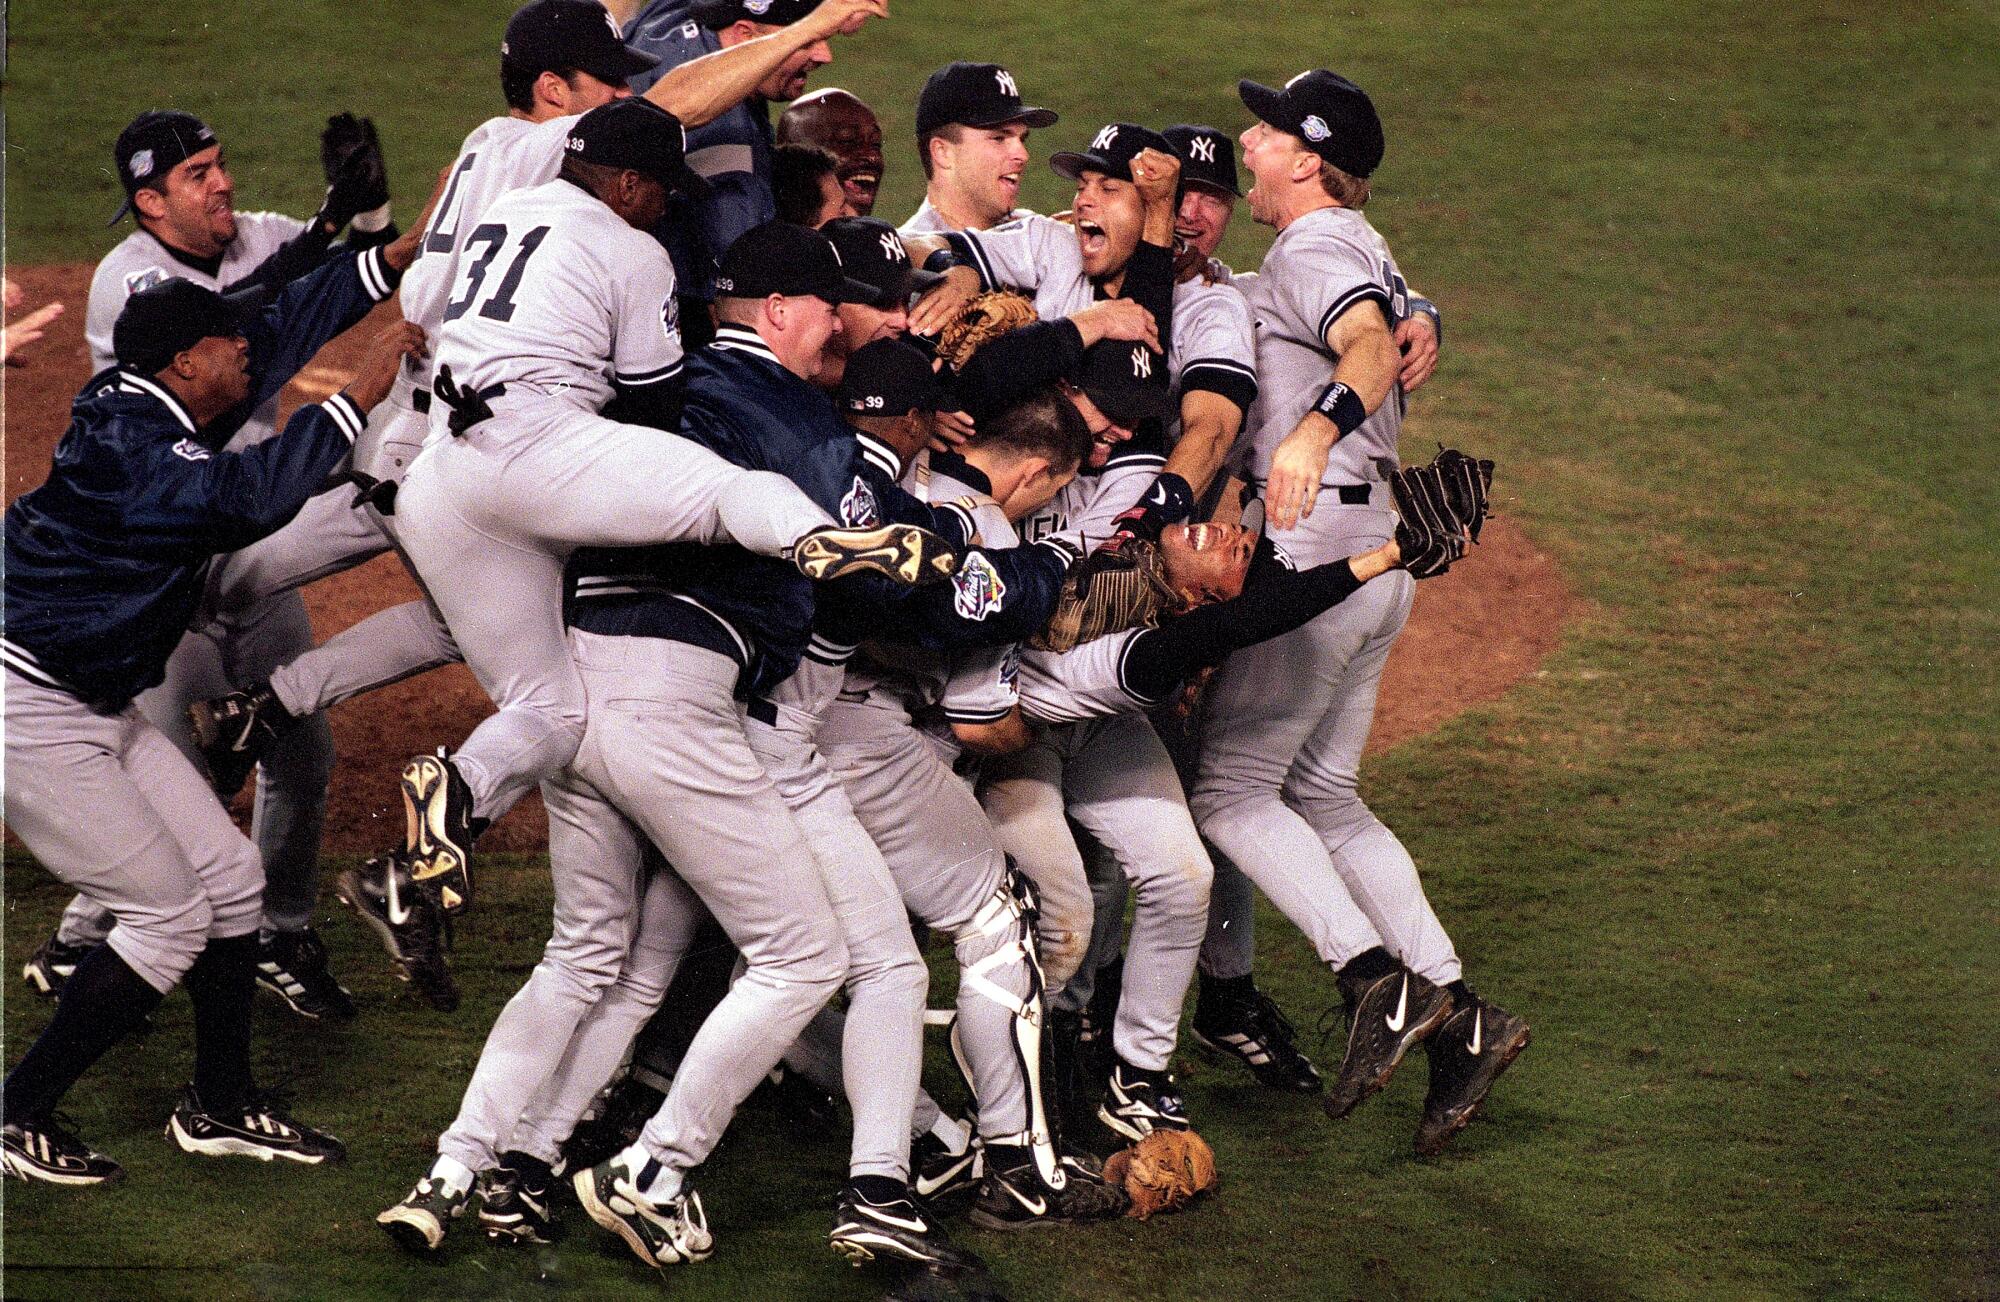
[(1142, 363), (142, 163), (1315, 128), (1104, 138), (892, 247), (1007, 86), (613, 24), (1203, 148)]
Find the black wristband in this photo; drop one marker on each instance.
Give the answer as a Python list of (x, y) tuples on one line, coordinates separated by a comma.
[(1342, 406), (940, 261)]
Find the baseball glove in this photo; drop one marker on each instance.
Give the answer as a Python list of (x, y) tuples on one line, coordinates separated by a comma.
[(1109, 592), (988, 316), (1428, 532), (1466, 484), (357, 179), (1163, 1172)]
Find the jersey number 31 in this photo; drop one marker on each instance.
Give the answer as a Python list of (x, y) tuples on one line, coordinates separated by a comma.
[(499, 306)]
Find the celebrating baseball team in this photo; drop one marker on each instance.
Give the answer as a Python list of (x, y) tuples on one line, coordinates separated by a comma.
[(837, 583)]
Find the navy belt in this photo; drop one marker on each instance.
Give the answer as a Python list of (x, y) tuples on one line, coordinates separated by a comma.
[(420, 401), (1352, 494), (762, 711)]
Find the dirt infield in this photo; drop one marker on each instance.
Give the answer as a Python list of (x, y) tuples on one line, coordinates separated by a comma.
[(1475, 632)]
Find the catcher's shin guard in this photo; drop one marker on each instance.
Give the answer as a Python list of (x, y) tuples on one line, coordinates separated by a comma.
[(1011, 912)]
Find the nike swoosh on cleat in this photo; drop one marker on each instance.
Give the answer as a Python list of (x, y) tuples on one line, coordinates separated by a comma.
[(1402, 1006), (1034, 1206), (1477, 1018), (398, 915)]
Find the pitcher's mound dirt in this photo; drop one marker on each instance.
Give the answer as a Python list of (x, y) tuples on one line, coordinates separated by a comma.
[(1474, 632)]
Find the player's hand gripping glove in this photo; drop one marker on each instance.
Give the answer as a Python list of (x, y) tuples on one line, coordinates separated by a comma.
[(1163, 1172), (1108, 592), (1169, 501), (1429, 535), (357, 179)]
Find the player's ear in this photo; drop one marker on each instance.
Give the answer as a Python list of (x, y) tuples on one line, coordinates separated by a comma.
[(552, 90), (150, 202)]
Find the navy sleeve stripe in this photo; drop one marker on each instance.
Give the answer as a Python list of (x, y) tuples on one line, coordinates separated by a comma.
[(1220, 364), (1124, 684), (24, 664), (1236, 385), (654, 376), (977, 716), (970, 243), (1359, 294), (964, 517), (347, 415)]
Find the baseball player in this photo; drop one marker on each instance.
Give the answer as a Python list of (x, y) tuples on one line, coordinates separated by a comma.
[(840, 123), (1286, 721), (972, 139), (104, 568), (559, 58), (568, 307), (731, 149), (804, 189), (710, 626), (179, 190)]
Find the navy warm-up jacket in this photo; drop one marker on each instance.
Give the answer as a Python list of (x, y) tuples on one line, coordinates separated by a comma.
[(105, 561)]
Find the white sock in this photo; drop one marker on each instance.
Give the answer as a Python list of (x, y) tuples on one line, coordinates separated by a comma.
[(666, 1181), (452, 1174), (955, 1134)]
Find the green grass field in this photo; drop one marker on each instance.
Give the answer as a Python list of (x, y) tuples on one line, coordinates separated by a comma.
[(1722, 286)]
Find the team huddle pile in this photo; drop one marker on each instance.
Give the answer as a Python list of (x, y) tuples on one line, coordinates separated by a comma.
[(836, 583)]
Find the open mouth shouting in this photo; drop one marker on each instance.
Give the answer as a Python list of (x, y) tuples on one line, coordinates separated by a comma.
[(1090, 237)]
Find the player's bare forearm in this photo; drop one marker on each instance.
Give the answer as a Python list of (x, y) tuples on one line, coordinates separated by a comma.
[(409, 246), (1157, 176), (1368, 365), (1209, 425), (702, 90), (1374, 564)]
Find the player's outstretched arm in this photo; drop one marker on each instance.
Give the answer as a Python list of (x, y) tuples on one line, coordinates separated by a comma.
[(1209, 426), (1362, 378), (702, 90)]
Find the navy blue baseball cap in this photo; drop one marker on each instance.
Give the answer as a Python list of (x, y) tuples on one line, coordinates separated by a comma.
[(1110, 151), (872, 252), (975, 95), (153, 144), (162, 321), (637, 135), (1208, 158), (571, 35), (795, 261), (1331, 114), (1127, 381), (715, 14), (890, 378)]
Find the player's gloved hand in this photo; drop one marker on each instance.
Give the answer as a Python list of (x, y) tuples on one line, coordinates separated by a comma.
[(1429, 534), (1467, 483), (1103, 560), (357, 178), (1169, 501)]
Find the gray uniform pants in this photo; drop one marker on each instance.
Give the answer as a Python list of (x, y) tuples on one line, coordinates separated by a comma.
[(110, 807), (622, 924), (1282, 736), (1115, 779), (875, 1053), (226, 653), (488, 520), (950, 873), (665, 748)]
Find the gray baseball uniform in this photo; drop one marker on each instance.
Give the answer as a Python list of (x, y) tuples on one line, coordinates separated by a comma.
[(500, 156), (562, 301), (1285, 721), (927, 220), (1099, 763), (239, 639)]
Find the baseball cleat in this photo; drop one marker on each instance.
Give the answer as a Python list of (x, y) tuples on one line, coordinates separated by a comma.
[(419, 1222), (902, 552), (50, 965), (437, 838), (1467, 1055), (659, 1234), (1386, 1018), (620, 1113), (1253, 1031), (49, 1152), (511, 1210), (292, 966), (801, 1106), (1013, 1196), (232, 732), (897, 1229), (939, 1171), (1138, 1102), (261, 1128), (382, 895)]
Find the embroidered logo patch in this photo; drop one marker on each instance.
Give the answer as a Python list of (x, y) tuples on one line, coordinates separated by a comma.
[(146, 279), (1315, 128), (976, 589), (189, 450), (858, 509)]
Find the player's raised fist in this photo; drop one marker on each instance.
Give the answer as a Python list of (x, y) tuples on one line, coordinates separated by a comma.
[(1157, 175), (843, 17)]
